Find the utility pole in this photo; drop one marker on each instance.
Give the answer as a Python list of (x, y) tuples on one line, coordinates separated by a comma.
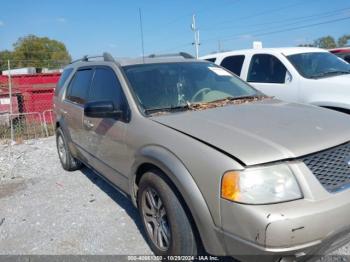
[(10, 96), (196, 35)]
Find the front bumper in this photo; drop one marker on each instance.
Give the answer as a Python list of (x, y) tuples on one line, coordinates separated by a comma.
[(314, 225)]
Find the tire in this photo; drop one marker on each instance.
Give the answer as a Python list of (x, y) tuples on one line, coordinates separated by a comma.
[(68, 162), (160, 208)]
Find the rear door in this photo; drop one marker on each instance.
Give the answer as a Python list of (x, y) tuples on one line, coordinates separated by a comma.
[(72, 108), (104, 137)]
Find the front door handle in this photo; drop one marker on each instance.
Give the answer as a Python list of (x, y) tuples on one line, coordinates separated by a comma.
[(88, 124)]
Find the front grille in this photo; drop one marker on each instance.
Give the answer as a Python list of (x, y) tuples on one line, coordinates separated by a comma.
[(331, 167)]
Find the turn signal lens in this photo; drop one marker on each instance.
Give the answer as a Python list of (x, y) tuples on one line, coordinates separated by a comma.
[(230, 186)]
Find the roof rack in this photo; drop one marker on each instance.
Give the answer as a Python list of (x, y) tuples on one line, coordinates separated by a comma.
[(183, 54), (107, 57)]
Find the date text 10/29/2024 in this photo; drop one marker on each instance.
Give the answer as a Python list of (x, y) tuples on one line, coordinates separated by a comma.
[(172, 258)]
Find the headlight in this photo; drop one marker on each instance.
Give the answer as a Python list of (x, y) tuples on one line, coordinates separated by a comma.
[(262, 185)]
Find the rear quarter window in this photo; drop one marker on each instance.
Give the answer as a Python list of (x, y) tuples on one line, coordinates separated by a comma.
[(234, 63), (211, 59), (63, 79)]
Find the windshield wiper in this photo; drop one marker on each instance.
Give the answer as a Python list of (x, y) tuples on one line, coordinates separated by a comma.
[(329, 73), (166, 109), (226, 100)]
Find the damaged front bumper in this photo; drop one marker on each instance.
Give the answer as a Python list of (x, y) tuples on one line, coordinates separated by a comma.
[(317, 224)]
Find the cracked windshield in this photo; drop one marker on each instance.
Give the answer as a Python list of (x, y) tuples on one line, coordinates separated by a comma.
[(197, 86)]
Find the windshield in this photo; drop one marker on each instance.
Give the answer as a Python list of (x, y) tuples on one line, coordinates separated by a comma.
[(174, 85), (318, 65)]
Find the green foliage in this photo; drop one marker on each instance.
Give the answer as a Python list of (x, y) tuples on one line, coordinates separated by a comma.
[(342, 41), (306, 45), (4, 57), (33, 51), (326, 42)]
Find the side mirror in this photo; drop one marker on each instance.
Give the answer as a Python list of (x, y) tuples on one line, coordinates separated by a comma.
[(289, 77), (102, 109)]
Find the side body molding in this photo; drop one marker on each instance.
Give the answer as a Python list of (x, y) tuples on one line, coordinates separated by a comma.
[(175, 170)]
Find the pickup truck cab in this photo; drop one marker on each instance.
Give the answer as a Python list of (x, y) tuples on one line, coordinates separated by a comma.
[(300, 74)]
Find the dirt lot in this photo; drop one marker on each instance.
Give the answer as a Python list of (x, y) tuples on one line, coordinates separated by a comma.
[(45, 210)]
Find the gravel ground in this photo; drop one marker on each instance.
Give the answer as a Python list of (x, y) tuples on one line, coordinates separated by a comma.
[(45, 210)]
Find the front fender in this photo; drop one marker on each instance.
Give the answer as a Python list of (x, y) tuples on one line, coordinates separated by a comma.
[(176, 171)]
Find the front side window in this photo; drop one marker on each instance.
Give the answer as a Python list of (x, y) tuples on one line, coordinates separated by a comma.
[(168, 85), (266, 68), (319, 65), (106, 87), (234, 63), (79, 87)]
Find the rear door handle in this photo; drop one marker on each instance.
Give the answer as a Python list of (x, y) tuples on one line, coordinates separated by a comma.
[(88, 124)]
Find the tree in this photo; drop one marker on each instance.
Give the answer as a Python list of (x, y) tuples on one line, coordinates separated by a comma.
[(33, 51), (342, 41), (326, 42), (306, 45), (4, 57)]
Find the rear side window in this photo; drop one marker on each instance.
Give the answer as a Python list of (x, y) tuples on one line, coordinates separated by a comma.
[(211, 59), (266, 68), (106, 87), (78, 89), (234, 63), (65, 74)]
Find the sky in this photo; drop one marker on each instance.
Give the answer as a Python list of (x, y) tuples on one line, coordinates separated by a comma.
[(92, 27)]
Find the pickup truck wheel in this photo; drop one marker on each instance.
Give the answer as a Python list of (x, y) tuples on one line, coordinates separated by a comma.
[(68, 162), (168, 229)]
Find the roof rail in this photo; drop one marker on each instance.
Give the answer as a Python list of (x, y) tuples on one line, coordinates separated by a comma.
[(183, 54), (107, 57)]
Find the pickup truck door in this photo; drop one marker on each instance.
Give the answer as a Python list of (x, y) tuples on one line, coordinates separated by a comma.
[(268, 74)]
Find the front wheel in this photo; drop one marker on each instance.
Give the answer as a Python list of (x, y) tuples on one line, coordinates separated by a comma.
[(168, 229)]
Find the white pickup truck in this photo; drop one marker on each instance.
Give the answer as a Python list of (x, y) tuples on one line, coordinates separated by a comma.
[(299, 74)]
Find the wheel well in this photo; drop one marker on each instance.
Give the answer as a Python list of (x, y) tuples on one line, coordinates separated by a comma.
[(144, 168)]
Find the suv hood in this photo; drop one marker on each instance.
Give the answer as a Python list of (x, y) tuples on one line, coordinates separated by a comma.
[(265, 131)]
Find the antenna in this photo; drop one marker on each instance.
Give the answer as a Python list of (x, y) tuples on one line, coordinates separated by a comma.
[(141, 30), (196, 35)]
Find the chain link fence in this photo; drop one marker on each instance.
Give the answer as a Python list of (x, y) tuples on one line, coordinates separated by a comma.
[(26, 112)]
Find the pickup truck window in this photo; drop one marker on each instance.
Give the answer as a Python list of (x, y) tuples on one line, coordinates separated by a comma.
[(234, 63), (78, 89), (211, 59), (319, 65), (266, 68)]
